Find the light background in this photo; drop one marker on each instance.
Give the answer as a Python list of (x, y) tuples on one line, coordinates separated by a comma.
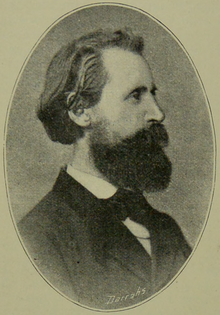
[(196, 290)]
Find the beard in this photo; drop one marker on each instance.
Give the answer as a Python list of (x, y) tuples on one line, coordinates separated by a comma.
[(137, 162)]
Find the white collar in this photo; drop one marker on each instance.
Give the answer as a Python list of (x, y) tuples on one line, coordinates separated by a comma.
[(97, 186)]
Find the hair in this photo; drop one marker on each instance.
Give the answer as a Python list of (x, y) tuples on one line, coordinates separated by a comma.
[(75, 79)]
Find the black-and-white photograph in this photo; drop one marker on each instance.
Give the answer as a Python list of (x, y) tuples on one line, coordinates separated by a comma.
[(109, 157)]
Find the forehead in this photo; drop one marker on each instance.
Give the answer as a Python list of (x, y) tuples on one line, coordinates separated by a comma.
[(126, 69)]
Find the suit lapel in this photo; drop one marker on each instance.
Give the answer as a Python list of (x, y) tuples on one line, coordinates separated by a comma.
[(163, 251)]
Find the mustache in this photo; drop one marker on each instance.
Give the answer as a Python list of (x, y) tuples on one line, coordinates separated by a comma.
[(158, 135), (155, 136)]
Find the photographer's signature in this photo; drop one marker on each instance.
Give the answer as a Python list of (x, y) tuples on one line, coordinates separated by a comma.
[(117, 299)]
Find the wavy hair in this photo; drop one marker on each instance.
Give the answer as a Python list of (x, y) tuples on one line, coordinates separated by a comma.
[(75, 79)]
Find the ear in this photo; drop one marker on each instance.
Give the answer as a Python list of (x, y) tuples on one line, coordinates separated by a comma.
[(80, 117)]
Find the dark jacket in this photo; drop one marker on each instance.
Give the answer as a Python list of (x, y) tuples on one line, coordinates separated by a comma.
[(89, 255)]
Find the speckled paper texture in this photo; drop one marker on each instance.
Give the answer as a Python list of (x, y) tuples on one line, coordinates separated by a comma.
[(196, 25)]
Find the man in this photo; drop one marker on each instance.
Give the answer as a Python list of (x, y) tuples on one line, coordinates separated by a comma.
[(94, 237)]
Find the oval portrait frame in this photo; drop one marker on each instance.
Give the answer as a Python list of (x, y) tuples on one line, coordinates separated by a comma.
[(12, 125)]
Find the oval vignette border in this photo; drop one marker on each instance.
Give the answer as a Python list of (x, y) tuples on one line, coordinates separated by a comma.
[(211, 122)]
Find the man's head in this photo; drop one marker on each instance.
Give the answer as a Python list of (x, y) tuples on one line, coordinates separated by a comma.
[(103, 90), (75, 79)]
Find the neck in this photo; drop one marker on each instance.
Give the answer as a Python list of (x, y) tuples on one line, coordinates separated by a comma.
[(83, 160)]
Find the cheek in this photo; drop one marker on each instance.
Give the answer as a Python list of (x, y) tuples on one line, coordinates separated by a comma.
[(117, 120), (112, 110), (129, 122)]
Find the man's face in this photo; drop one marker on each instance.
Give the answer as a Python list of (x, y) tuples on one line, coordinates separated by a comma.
[(127, 103), (127, 137)]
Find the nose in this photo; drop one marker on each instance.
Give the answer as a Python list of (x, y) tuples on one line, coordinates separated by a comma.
[(154, 112)]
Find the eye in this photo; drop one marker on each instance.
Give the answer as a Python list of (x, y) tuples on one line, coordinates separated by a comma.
[(136, 95)]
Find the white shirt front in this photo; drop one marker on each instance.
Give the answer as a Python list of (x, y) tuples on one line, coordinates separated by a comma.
[(104, 190)]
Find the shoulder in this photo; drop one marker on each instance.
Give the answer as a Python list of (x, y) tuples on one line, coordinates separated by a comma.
[(45, 213), (165, 222), (162, 221), (46, 226), (40, 232), (38, 228), (170, 232)]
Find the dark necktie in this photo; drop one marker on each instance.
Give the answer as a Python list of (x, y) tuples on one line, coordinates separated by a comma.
[(127, 203)]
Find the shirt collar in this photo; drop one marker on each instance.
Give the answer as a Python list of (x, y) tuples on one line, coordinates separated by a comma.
[(97, 186)]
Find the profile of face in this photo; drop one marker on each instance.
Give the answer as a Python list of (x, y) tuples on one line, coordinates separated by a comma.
[(128, 102), (128, 138)]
